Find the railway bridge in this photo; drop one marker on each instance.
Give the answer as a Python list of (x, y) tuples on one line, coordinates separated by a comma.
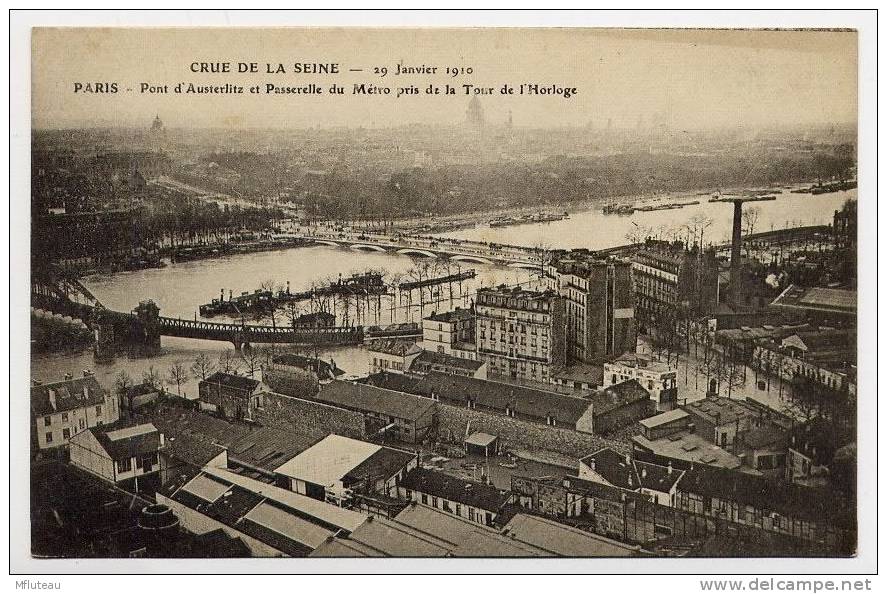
[(138, 332)]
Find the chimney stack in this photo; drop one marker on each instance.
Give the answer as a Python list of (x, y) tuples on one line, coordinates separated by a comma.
[(52, 399), (669, 467), (161, 528)]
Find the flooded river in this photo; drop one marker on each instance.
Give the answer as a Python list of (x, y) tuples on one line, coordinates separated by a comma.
[(594, 230), (180, 288)]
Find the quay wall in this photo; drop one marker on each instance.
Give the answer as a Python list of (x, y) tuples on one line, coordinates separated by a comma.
[(287, 412)]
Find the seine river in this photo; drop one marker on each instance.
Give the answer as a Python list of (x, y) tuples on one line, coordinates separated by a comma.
[(179, 289), (594, 230)]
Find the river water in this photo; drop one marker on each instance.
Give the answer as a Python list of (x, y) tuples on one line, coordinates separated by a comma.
[(179, 288), (594, 230)]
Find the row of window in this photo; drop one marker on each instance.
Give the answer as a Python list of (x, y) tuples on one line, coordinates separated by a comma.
[(47, 420)]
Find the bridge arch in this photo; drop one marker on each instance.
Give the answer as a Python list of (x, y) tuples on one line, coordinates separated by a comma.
[(368, 248), (472, 259), (325, 242), (417, 252)]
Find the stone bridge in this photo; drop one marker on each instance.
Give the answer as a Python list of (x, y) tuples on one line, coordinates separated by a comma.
[(457, 250)]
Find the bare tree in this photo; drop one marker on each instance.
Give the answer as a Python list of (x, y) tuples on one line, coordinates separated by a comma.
[(252, 359), (177, 375), (750, 218), (228, 362), (152, 378), (292, 314), (202, 367), (122, 384)]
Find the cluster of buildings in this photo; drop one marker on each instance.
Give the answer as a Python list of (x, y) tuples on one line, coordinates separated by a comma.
[(427, 455)]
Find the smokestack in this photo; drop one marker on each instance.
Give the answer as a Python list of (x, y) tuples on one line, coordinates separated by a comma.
[(736, 254)]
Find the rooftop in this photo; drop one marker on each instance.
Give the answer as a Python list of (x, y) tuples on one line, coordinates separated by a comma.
[(393, 346), (721, 411), (455, 315), (563, 540), (236, 382), (455, 489), (581, 372), (480, 439), (613, 467), (689, 447), (434, 361), (127, 442), (67, 395), (664, 418), (456, 389), (617, 396), (323, 369), (818, 298), (364, 397), (328, 461)]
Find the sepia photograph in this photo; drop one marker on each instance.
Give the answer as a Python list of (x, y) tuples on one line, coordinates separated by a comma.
[(508, 293)]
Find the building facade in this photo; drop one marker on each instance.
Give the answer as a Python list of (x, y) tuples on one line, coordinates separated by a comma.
[(450, 333), (670, 282), (520, 334), (599, 306), (127, 456), (61, 410), (657, 378)]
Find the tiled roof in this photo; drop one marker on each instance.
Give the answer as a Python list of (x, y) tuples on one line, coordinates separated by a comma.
[(269, 447), (68, 395), (393, 346), (788, 499), (617, 396), (383, 464), (471, 493), (368, 398), (613, 467), (456, 389), (236, 382), (433, 361), (657, 477)]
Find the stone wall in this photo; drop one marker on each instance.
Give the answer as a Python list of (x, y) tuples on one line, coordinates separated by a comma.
[(514, 433), (289, 413)]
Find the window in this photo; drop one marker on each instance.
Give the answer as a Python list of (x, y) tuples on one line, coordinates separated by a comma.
[(98, 410), (82, 424), (66, 433), (458, 510), (425, 498), (47, 421), (49, 437), (434, 502), (64, 417), (124, 465)]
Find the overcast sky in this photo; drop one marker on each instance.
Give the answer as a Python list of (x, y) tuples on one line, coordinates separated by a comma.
[(687, 79)]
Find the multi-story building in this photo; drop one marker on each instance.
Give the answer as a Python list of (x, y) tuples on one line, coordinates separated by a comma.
[(659, 379), (670, 281), (844, 226), (230, 395), (599, 306), (61, 410), (520, 334), (450, 333)]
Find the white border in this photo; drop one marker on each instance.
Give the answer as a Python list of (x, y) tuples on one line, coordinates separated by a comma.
[(20, 22)]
